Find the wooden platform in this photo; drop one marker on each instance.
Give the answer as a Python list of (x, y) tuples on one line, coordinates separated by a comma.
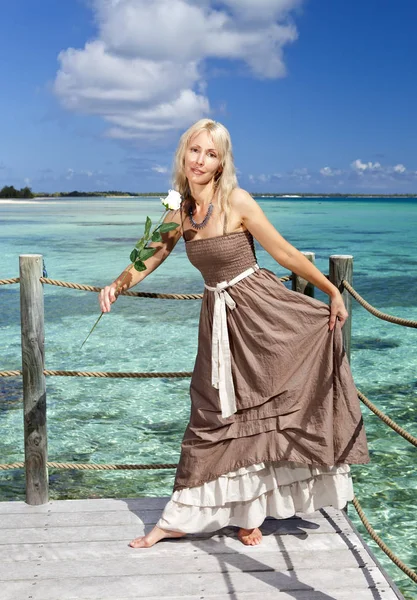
[(77, 549)]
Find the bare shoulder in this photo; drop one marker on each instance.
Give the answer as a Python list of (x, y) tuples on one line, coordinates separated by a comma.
[(240, 198), (243, 204)]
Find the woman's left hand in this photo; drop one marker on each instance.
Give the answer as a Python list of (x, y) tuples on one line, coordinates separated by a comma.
[(337, 311)]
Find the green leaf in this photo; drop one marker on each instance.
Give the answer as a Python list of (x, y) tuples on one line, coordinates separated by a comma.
[(133, 255), (156, 237), (139, 266), (140, 243), (168, 227), (148, 226), (146, 253)]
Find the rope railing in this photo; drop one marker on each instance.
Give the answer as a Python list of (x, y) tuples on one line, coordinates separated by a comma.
[(102, 374), (397, 428), (375, 311), (400, 564), (91, 466), (93, 288)]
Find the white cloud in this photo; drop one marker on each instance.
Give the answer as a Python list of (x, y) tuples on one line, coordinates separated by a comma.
[(160, 169), (26, 181), (329, 172), (301, 174), (160, 118), (143, 72), (360, 166), (361, 174), (375, 173), (71, 173)]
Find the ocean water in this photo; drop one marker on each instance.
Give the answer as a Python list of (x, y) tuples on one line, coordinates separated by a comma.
[(132, 421)]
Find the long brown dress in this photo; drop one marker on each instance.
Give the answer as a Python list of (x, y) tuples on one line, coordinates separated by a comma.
[(298, 423)]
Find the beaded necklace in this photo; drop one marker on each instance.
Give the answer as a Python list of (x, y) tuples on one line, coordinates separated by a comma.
[(206, 218)]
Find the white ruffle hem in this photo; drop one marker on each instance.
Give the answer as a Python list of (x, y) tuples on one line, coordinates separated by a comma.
[(244, 498)]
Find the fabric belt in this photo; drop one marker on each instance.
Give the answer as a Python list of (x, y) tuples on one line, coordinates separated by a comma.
[(221, 367)]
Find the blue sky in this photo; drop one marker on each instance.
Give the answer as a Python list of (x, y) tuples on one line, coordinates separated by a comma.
[(318, 95)]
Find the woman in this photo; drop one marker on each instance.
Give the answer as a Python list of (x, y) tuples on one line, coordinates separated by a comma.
[(275, 419)]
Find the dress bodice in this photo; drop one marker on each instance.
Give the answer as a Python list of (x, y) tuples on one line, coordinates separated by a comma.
[(222, 257)]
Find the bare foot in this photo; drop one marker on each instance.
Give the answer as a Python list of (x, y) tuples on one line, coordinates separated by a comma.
[(154, 536), (250, 537)]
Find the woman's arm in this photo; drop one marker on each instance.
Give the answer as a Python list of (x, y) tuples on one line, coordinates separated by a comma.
[(255, 220), (129, 277)]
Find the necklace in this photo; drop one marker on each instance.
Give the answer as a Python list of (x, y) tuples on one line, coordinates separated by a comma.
[(206, 218)]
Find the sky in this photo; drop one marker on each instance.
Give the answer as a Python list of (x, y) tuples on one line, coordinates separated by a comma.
[(318, 95)]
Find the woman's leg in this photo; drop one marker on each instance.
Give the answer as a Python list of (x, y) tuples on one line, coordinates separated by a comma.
[(154, 536)]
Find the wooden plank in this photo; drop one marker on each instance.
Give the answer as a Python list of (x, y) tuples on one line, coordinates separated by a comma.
[(195, 586), (214, 545), (126, 532), (378, 592), (139, 563), (104, 518), (85, 505), (79, 519)]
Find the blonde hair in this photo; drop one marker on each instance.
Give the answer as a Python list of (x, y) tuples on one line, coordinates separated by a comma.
[(225, 181)]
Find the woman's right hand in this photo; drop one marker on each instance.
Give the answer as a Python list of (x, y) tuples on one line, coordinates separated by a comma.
[(107, 297)]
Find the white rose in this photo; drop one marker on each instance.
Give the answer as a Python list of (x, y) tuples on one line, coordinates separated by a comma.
[(172, 201)]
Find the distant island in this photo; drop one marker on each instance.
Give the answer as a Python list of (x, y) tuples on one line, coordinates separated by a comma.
[(8, 191)]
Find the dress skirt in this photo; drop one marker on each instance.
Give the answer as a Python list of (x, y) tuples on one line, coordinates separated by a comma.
[(275, 418), (244, 498)]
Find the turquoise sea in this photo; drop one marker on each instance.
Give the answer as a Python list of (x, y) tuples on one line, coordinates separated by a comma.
[(134, 421)]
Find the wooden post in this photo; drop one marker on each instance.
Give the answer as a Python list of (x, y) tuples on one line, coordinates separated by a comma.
[(341, 267), (302, 285), (34, 388)]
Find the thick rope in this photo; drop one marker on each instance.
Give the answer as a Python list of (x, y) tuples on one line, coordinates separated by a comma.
[(10, 373), (410, 438), (115, 375), (375, 311), (7, 281), (93, 288), (412, 574), (111, 374), (90, 467)]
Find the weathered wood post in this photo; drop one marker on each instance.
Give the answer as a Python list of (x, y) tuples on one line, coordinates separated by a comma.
[(34, 388), (298, 284), (341, 267)]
